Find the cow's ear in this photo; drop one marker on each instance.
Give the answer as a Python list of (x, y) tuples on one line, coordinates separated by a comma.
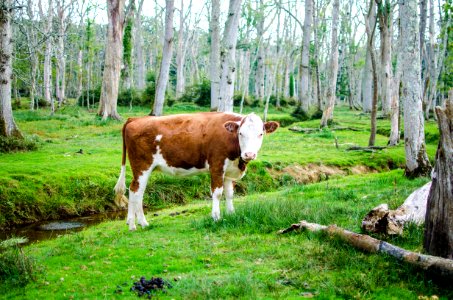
[(231, 126), (271, 126)]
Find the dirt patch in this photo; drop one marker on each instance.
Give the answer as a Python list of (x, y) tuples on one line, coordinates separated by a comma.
[(314, 173)]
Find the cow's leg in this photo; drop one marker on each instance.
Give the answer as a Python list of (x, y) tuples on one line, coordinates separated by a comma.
[(136, 191), (229, 191), (216, 190)]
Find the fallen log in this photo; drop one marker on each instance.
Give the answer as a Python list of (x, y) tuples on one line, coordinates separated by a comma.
[(439, 265), (382, 220), (303, 130), (368, 149)]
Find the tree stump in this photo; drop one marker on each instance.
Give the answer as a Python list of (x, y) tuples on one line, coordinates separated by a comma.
[(439, 216)]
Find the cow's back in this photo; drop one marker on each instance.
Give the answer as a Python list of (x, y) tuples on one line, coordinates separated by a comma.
[(184, 141)]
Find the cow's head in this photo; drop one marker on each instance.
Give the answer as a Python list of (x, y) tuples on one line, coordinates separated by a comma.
[(250, 131)]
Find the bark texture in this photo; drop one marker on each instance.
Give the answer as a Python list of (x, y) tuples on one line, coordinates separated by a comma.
[(439, 217), (228, 57), (180, 55), (367, 76), (214, 57), (8, 127), (305, 57), (417, 163), (331, 90), (139, 55), (47, 67), (113, 58), (167, 54), (438, 265)]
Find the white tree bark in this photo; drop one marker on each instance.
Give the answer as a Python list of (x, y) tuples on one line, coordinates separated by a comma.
[(60, 80), (139, 48), (331, 96), (214, 56), (33, 55), (167, 54), (8, 127), (367, 77), (47, 67), (305, 57), (228, 57), (113, 58), (395, 96), (386, 32), (180, 55), (417, 163), (260, 58)]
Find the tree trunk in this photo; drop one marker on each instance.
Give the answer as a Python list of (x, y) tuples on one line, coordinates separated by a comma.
[(60, 80), (394, 138), (417, 163), (439, 217), (167, 54), (113, 58), (385, 29), (139, 49), (180, 55), (228, 57), (367, 77), (128, 48), (259, 75), (331, 90), (370, 37), (214, 56), (47, 67), (8, 127), (305, 57)]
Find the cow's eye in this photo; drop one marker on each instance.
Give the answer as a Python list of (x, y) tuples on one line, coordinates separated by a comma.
[(261, 135), (240, 133)]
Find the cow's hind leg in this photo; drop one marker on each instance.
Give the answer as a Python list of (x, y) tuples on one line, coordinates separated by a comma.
[(216, 190), (136, 191), (228, 186)]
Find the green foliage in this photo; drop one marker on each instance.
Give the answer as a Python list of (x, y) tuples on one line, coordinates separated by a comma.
[(300, 114), (16, 267), (127, 42), (199, 93), (130, 97), (291, 85), (90, 97), (317, 115), (12, 144)]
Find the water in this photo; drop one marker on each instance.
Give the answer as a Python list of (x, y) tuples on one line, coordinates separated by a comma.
[(51, 229)]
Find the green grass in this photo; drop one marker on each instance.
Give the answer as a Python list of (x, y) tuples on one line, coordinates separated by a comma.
[(241, 256), (56, 181)]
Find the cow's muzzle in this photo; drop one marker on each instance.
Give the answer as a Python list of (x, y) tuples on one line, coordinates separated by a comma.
[(248, 156)]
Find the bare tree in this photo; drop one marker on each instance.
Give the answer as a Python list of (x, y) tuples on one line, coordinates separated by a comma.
[(139, 48), (385, 30), (113, 57), (327, 114), (181, 52), (417, 163), (47, 82), (228, 57), (305, 60), (8, 127), (167, 54), (214, 56), (367, 77)]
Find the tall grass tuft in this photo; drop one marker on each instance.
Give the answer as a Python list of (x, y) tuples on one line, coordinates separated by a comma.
[(12, 144), (15, 266)]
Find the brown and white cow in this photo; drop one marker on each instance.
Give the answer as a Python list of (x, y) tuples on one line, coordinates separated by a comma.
[(219, 143)]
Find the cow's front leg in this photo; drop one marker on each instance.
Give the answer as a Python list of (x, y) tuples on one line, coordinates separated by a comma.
[(216, 190), (135, 209), (228, 186)]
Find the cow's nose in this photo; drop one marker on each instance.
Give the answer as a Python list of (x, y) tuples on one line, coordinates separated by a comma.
[(249, 156)]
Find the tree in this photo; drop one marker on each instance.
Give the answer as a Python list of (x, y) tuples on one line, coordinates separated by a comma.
[(438, 239), (113, 57), (228, 57), (385, 29), (8, 127), (327, 114), (367, 77), (128, 47), (47, 81), (167, 54), (417, 163), (214, 56), (304, 66), (140, 82)]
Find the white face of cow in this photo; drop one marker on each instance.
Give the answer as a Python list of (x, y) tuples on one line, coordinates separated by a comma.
[(250, 134)]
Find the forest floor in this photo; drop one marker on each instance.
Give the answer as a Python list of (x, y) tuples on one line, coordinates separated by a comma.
[(239, 257)]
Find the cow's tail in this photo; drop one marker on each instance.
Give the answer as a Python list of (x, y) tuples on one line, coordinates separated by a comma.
[(120, 187)]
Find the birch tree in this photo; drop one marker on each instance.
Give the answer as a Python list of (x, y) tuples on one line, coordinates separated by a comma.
[(60, 73), (47, 67), (385, 30), (214, 56), (139, 55), (417, 163), (327, 114), (228, 57), (305, 60), (167, 54), (367, 77), (8, 126), (181, 53), (113, 57)]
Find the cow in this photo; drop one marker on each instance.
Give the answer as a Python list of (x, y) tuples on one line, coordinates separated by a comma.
[(185, 144)]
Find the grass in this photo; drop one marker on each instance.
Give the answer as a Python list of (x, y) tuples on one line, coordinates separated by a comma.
[(57, 181), (240, 256)]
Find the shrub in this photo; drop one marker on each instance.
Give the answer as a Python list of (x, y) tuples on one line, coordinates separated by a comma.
[(92, 95), (317, 115), (15, 266), (12, 144), (128, 96), (199, 93), (300, 114), (237, 98)]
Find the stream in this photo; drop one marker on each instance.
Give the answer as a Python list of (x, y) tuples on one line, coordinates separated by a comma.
[(45, 230)]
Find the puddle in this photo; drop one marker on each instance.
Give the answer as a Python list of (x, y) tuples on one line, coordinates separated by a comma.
[(51, 229)]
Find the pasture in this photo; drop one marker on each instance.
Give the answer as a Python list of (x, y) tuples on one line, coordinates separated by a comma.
[(297, 176)]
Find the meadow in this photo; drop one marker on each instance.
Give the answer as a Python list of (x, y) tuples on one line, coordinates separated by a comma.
[(297, 176)]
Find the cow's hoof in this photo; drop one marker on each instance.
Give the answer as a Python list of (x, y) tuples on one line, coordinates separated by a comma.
[(216, 217), (132, 228), (230, 211), (143, 223)]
